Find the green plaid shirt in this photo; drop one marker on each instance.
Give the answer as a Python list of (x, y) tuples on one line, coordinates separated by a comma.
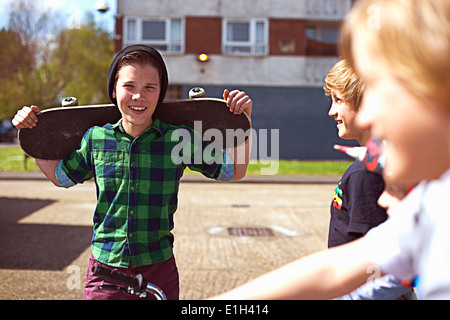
[(137, 186)]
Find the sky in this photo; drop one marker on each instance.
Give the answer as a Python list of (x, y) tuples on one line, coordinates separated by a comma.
[(74, 9)]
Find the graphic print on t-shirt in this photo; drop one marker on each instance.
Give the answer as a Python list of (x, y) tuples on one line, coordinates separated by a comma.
[(337, 198)]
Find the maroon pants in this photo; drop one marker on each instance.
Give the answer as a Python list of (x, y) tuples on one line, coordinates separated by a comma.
[(164, 275)]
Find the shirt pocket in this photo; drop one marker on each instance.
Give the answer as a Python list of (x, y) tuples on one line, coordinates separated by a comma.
[(109, 168), (163, 173)]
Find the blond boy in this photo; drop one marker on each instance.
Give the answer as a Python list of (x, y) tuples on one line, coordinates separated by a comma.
[(354, 208)]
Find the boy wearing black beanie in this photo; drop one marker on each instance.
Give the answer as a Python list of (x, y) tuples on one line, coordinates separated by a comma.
[(136, 181)]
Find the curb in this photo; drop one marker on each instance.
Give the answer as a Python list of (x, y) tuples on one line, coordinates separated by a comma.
[(197, 178)]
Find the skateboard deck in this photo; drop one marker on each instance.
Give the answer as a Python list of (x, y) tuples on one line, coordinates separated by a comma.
[(59, 130)]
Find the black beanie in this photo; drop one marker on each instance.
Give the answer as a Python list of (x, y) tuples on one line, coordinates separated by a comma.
[(138, 47)]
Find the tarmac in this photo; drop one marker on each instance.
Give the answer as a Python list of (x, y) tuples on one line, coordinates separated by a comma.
[(225, 233)]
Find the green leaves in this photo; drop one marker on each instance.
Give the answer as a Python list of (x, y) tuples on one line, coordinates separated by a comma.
[(42, 67)]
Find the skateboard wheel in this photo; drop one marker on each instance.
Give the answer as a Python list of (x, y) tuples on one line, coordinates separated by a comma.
[(69, 102), (197, 93)]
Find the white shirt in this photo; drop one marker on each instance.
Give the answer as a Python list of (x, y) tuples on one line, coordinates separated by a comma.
[(415, 240)]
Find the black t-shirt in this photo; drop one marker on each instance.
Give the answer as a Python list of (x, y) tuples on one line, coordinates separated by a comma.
[(354, 208)]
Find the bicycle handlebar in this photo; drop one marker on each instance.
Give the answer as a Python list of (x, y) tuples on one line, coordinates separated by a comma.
[(136, 282)]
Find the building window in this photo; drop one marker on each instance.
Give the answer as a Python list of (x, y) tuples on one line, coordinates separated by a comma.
[(131, 30), (323, 34), (245, 37), (165, 35), (322, 40)]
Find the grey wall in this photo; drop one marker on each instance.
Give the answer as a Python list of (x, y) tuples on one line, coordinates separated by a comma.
[(306, 132)]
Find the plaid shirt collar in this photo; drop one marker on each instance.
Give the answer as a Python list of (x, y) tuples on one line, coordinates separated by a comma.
[(157, 126)]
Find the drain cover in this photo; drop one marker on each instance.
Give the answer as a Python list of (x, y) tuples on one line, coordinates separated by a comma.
[(260, 232), (250, 232), (240, 206)]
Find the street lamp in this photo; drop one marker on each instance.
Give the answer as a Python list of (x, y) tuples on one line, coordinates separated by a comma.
[(101, 6), (203, 57)]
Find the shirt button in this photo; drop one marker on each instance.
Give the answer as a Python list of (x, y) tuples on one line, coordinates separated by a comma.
[(132, 188), (130, 235), (131, 212)]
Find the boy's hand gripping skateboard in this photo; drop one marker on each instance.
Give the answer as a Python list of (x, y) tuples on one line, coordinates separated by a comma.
[(59, 130)]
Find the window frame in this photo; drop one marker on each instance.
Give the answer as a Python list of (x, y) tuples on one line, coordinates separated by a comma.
[(252, 44), (168, 43), (319, 30)]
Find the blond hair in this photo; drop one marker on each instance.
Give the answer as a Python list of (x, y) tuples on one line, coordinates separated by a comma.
[(407, 39), (342, 79)]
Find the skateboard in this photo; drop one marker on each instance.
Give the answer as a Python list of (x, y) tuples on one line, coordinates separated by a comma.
[(59, 130)]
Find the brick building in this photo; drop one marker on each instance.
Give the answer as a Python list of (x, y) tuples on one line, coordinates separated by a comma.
[(277, 51)]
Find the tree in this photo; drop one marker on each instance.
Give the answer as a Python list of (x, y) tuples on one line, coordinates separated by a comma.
[(15, 60), (41, 64), (83, 57), (35, 26)]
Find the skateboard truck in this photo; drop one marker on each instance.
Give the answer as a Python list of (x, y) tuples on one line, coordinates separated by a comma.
[(197, 92), (69, 102)]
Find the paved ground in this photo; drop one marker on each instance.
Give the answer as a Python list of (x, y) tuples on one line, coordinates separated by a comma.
[(45, 233)]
